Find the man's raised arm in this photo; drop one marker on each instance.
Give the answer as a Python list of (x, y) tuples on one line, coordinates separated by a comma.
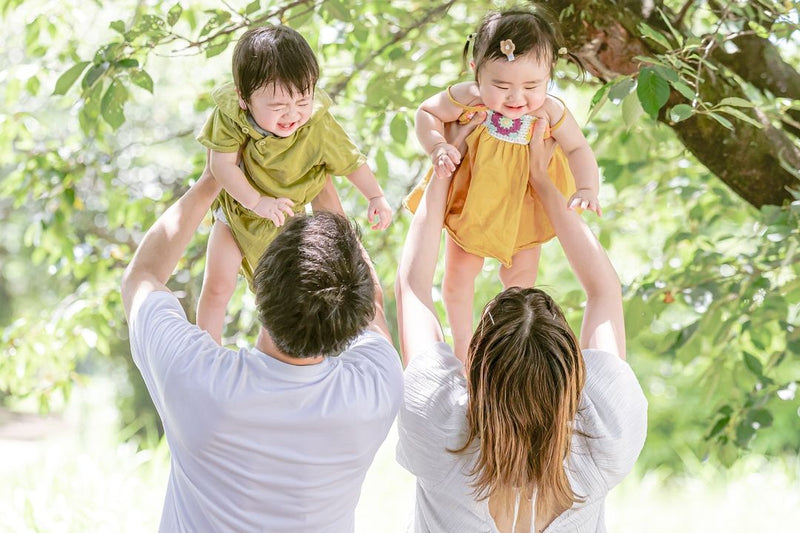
[(164, 243)]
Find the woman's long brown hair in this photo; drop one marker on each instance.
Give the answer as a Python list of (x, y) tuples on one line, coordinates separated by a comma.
[(525, 375)]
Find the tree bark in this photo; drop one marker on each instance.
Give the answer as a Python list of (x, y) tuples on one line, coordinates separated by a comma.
[(747, 159)]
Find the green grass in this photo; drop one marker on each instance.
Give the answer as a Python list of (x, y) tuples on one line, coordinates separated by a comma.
[(69, 474)]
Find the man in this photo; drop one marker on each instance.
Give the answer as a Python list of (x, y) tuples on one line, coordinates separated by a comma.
[(277, 437)]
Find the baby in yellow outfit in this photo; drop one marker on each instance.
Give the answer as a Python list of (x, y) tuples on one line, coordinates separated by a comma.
[(492, 210)]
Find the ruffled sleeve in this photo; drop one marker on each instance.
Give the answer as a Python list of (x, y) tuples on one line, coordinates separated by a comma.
[(612, 415)]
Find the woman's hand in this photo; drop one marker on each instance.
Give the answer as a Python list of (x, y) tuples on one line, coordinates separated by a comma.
[(447, 156), (541, 151), (457, 133)]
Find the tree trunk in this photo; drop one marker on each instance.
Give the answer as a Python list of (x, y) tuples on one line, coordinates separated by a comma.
[(748, 159)]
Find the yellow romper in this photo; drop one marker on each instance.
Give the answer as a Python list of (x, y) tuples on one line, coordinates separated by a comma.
[(492, 210)]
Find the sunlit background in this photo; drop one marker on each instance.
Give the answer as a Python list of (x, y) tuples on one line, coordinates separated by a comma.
[(711, 284)]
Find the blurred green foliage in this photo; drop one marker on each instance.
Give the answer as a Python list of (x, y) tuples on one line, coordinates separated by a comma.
[(97, 139)]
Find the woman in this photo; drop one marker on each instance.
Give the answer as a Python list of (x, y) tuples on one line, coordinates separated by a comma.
[(535, 429)]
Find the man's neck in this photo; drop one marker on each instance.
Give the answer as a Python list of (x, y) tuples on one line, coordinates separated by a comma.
[(266, 345)]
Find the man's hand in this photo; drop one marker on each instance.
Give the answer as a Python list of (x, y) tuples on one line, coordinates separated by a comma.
[(274, 209), (379, 213)]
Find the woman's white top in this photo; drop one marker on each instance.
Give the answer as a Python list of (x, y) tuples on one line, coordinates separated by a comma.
[(609, 432)]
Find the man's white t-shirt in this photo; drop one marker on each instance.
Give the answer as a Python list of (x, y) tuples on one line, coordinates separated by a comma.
[(258, 444)]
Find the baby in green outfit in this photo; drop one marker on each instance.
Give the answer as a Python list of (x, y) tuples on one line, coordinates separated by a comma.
[(273, 144)]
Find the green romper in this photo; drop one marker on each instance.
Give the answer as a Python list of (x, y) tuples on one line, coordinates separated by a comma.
[(293, 167)]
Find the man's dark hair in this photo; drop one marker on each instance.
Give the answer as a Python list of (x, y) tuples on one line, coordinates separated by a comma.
[(314, 288), (270, 55)]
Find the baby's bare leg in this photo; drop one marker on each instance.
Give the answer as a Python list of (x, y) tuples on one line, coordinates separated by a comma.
[(458, 291), (523, 270), (223, 259), (328, 199)]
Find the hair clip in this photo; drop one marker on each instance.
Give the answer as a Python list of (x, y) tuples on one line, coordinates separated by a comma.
[(562, 51), (507, 47)]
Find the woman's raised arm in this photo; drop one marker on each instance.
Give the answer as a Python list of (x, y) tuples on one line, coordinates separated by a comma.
[(603, 325), (416, 315)]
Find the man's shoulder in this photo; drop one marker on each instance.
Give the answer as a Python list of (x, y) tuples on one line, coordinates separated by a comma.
[(370, 342), (372, 359), (372, 350)]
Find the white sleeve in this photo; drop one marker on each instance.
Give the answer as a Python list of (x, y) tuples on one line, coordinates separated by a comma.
[(369, 354), (163, 341), (432, 416), (612, 415)]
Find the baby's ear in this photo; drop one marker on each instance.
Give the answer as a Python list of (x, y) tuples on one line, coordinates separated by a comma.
[(472, 64), (242, 103)]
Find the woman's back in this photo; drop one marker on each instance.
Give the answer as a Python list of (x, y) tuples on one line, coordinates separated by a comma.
[(608, 434)]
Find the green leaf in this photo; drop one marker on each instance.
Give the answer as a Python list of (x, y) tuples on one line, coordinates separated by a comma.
[(622, 88), (718, 427), (652, 90), (112, 104), (93, 74), (760, 30), (118, 26), (216, 48), (727, 454), (675, 33), (142, 79), (218, 17), (666, 73), (653, 35), (761, 416), (90, 112), (686, 334), (683, 88), (66, 80), (252, 7), (382, 164), (128, 62), (600, 97), (735, 102), (741, 116), (744, 433), (338, 10), (680, 112), (399, 128), (722, 120), (631, 110), (753, 364), (174, 14), (32, 85)]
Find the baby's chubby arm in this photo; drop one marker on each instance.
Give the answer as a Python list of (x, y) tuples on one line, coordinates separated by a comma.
[(378, 212), (430, 119), (225, 168), (580, 156)]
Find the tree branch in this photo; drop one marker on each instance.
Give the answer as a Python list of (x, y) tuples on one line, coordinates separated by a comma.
[(748, 159), (759, 62), (399, 36)]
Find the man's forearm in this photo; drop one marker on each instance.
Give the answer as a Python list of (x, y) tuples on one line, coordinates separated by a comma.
[(164, 243)]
